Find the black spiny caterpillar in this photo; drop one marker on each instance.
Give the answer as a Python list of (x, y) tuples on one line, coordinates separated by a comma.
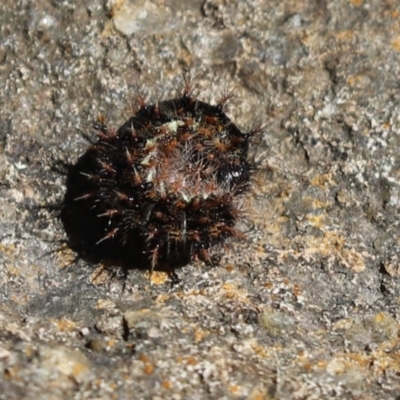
[(161, 190)]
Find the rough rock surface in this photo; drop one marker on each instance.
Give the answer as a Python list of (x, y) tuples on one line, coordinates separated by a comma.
[(308, 306)]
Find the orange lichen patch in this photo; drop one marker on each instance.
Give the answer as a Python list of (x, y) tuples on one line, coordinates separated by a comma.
[(260, 249), (380, 317), (65, 257), (323, 181), (11, 372), (148, 367), (162, 298), (381, 327), (190, 360), (361, 80), (230, 295), (229, 268), (130, 346), (383, 361), (304, 360), (332, 244), (351, 80), (332, 241), (157, 277), (108, 29), (312, 365), (229, 290), (64, 325), (286, 282), (296, 290), (105, 304), (67, 362), (351, 259), (12, 270), (235, 389), (345, 35), (315, 204), (232, 292), (307, 40), (98, 382), (259, 394), (319, 221), (166, 384), (194, 292), (200, 335), (258, 348), (99, 276), (342, 324), (396, 44), (79, 369), (357, 3), (379, 361), (111, 343), (180, 295), (7, 250), (29, 352), (116, 6)]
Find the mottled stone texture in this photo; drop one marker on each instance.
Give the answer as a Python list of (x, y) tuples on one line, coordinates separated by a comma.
[(308, 306)]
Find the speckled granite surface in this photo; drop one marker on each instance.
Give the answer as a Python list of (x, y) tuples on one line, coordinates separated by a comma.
[(308, 306)]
